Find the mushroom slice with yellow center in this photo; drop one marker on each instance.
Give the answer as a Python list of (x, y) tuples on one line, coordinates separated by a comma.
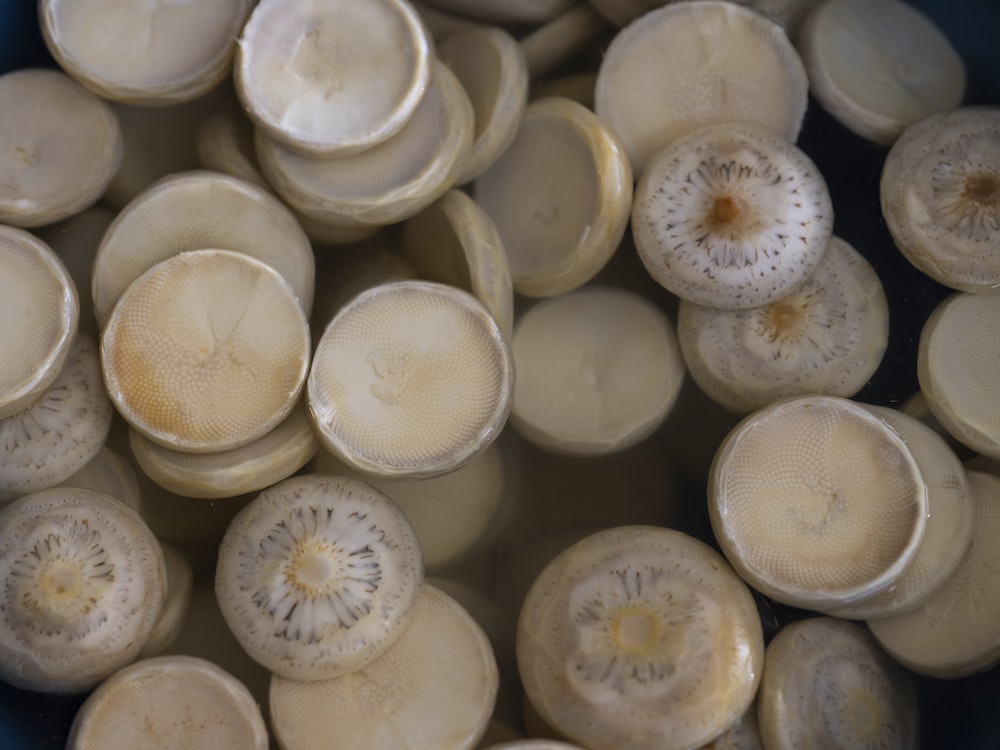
[(60, 431), (61, 146), (196, 210), (828, 684), (316, 576), (410, 379), (879, 65), (84, 584), (817, 502), (206, 351), (827, 336), (726, 63), (731, 216), (336, 77), (560, 197), (433, 689), (639, 637), (147, 64), (598, 370), (956, 367), (41, 314), (940, 195), (169, 702)]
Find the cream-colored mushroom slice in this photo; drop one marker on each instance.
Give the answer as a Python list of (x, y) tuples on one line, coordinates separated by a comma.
[(744, 734), (493, 70), (224, 142), (534, 744), (167, 702), (196, 210), (410, 379), (726, 63), (337, 232), (956, 631), (389, 182), (639, 637), (206, 351), (249, 468), (557, 42), (940, 195), (816, 502), (316, 576), (336, 77), (84, 585), (560, 196), (110, 473), (62, 146), (731, 216), (440, 23), (598, 370), (950, 514), (41, 313), (828, 684), (956, 361), (623, 12), (60, 431), (827, 336), (147, 64), (433, 689), (879, 66), (180, 588), (455, 242), (505, 11)]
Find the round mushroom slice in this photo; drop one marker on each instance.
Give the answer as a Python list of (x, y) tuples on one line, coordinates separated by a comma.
[(639, 637), (816, 502), (731, 216), (726, 63), (828, 684), (146, 64), (879, 66), (332, 78), (206, 351), (560, 196), (61, 144), (410, 379), (316, 576), (433, 689), (41, 314), (167, 702), (956, 362), (827, 336), (940, 195), (84, 586)]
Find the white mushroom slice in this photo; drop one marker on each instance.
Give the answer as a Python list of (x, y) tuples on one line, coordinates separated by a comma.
[(61, 145), (196, 210), (434, 689), (956, 365), (147, 64), (598, 370), (169, 702), (726, 63), (249, 468), (731, 216), (60, 431), (879, 65), (455, 242), (84, 585), (559, 40), (956, 630), (492, 69), (332, 78), (180, 587), (940, 195), (827, 336), (316, 576), (827, 684), (560, 196), (639, 637), (816, 502), (410, 379), (41, 313), (506, 11), (206, 351), (950, 514)]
